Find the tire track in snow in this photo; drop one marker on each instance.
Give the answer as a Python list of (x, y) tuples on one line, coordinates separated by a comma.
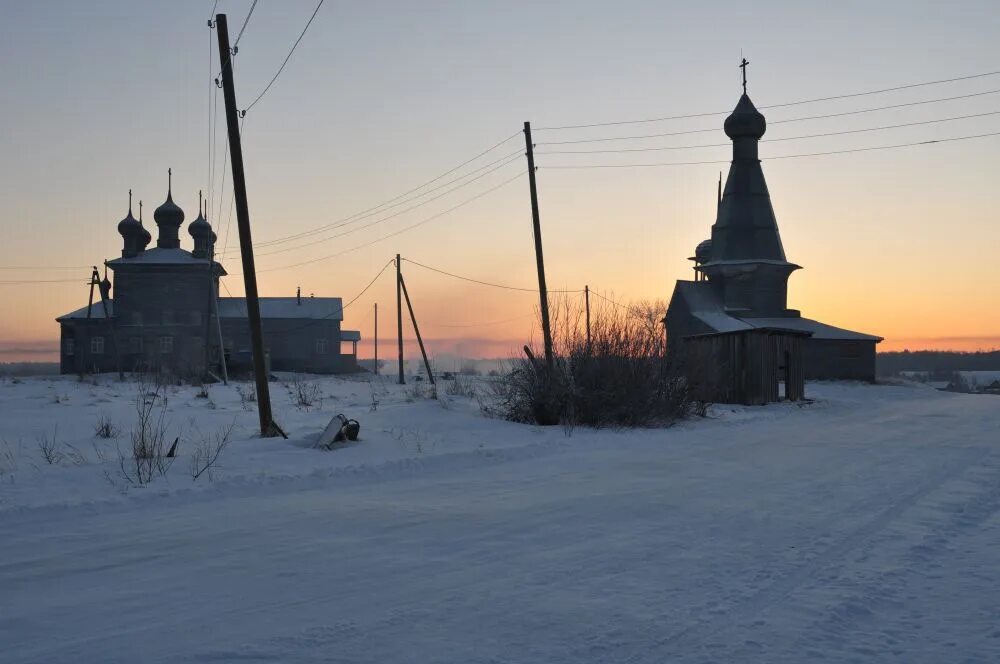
[(697, 634)]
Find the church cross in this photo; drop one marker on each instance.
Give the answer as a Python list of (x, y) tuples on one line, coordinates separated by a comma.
[(743, 66)]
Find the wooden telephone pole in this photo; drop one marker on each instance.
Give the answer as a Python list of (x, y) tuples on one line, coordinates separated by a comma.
[(416, 330), (267, 424), (586, 299), (376, 338), (399, 318), (543, 293)]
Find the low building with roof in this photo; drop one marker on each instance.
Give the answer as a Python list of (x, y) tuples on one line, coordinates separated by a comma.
[(163, 313), (741, 278)]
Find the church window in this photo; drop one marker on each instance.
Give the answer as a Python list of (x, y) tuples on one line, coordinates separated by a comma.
[(97, 345), (69, 346), (166, 345), (322, 346)]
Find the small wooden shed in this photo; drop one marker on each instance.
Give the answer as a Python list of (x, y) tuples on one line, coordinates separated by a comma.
[(746, 366)]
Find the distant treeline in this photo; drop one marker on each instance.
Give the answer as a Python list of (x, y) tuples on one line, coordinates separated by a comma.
[(28, 368), (936, 362)]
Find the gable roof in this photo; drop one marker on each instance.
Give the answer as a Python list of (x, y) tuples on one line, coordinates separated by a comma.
[(704, 305), (96, 312), (315, 308)]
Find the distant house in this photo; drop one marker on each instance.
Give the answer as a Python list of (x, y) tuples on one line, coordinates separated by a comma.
[(741, 277), (164, 313)]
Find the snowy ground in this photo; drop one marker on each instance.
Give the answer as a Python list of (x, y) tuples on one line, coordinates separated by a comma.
[(863, 527)]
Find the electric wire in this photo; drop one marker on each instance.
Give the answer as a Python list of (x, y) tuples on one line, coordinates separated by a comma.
[(236, 43), (782, 105), (25, 282), (386, 218), (487, 283), (287, 57), (785, 156), (368, 213), (340, 311), (45, 267), (387, 202), (486, 323), (774, 140), (774, 122), (401, 230)]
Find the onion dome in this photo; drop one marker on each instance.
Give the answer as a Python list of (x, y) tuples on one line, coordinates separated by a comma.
[(169, 218), (745, 121), (702, 252), (131, 232), (201, 231)]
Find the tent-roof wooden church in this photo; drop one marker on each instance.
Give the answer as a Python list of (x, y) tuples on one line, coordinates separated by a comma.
[(741, 281)]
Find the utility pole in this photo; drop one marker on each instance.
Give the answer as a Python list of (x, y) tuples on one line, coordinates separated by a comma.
[(543, 293), (399, 318), (420, 341), (376, 338), (267, 425), (586, 299), (214, 286), (95, 280)]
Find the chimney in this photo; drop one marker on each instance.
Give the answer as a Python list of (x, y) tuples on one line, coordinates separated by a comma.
[(298, 295)]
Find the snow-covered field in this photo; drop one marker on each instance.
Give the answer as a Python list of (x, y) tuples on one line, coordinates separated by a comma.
[(864, 527)]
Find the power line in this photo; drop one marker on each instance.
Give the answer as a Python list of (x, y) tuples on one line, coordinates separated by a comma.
[(774, 122), (785, 104), (388, 217), (386, 204), (357, 217), (608, 299), (232, 198), (484, 324), (236, 44), (401, 230), (486, 283), (15, 282), (773, 140), (45, 267), (343, 306), (287, 57), (784, 156)]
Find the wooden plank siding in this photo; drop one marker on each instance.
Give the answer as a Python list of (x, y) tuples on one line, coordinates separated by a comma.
[(746, 367)]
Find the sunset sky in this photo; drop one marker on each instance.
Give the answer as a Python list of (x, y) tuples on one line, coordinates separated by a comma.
[(380, 97)]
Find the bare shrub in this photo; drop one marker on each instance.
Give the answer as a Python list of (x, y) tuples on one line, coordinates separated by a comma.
[(417, 392), (622, 377), (468, 369), (207, 450), (105, 428), (248, 396), (305, 394), (49, 447), (99, 452), (8, 457), (202, 392), (75, 456), (147, 458), (462, 386)]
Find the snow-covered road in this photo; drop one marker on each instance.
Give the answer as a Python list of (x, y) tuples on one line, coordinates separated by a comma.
[(865, 527)]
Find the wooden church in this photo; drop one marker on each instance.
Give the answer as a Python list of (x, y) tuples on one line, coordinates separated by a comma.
[(163, 313), (731, 325)]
